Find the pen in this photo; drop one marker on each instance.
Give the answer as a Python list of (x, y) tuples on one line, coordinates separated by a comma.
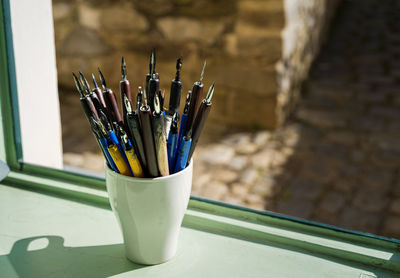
[(172, 142), (183, 152), (86, 102), (174, 97), (148, 140), (176, 90), (159, 138), (167, 118), (132, 120), (92, 115), (96, 101), (161, 97), (125, 87), (200, 120), (184, 118), (154, 84), (111, 101), (195, 99), (99, 94), (131, 156), (114, 149), (148, 76), (119, 139), (96, 128), (139, 99)]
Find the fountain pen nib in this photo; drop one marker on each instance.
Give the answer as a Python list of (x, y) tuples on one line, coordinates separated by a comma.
[(128, 105), (210, 93), (102, 80), (152, 64), (123, 68), (202, 71), (178, 68), (94, 81), (84, 82), (78, 85)]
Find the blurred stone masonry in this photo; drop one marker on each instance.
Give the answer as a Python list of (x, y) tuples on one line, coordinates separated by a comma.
[(337, 159), (252, 63)]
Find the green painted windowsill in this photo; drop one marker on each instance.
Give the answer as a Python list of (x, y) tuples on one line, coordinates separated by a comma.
[(55, 228), (58, 224)]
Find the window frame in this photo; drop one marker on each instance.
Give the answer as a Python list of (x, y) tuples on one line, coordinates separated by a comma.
[(92, 190)]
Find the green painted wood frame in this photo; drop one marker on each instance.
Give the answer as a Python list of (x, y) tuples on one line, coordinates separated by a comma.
[(78, 187)]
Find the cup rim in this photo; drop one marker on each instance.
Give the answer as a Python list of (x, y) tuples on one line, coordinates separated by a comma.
[(129, 178)]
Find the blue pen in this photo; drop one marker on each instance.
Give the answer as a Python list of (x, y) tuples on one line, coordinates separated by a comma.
[(104, 145), (172, 142), (183, 120), (183, 152), (100, 133)]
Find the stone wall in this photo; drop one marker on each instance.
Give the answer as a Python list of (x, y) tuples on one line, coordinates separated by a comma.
[(240, 39), (307, 24)]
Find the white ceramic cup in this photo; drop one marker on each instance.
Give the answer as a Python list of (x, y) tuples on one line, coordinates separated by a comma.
[(150, 212)]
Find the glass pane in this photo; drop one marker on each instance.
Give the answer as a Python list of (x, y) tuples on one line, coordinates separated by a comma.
[(325, 149)]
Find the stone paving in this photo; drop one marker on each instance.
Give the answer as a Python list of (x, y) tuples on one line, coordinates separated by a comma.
[(337, 160)]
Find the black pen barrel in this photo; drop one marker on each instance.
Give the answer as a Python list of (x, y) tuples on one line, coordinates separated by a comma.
[(125, 89), (148, 141), (89, 108), (154, 85), (135, 130), (175, 97)]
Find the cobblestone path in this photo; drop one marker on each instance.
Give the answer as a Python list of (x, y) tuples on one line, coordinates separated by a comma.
[(337, 161)]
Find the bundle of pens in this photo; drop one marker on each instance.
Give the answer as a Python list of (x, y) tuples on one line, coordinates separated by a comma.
[(145, 142)]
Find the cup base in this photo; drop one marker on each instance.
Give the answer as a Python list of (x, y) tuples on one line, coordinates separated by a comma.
[(148, 262)]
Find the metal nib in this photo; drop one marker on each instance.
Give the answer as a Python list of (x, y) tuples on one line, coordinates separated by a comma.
[(202, 71), (178, 68), (84, 82), (139, 98), (210, 93), (94, 81), (187, 102), (128, 105), (102, 80), (152, 65), (78, 85), (123, 68)]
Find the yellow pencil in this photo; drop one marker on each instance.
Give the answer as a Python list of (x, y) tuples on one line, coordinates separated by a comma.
[(119, 160), (134, 163)]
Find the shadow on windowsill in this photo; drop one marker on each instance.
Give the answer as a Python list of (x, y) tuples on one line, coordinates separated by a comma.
[(57, 260)]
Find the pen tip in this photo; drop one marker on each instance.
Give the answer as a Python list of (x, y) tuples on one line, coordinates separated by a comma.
[(85, 82), (102, 80), (210, 92), (94, 81), (127, 104), (152, 64), (202, 71), (78, 85), (123, 68)]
